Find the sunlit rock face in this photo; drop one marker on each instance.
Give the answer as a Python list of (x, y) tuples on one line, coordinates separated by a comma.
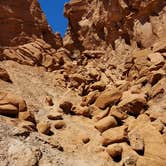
[(98, 23), (22, 22)]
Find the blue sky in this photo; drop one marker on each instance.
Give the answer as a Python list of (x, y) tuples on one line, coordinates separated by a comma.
[(53, 10)]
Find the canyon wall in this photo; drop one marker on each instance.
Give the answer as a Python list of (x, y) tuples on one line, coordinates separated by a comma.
[(94, 98)]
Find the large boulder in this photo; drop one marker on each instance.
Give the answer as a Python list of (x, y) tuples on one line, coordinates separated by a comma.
[(108, 98), (11, 104)]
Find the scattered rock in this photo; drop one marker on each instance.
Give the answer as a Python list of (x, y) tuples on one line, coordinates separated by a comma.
[(85, 139), (11, 104), (108, 98), (59, 124), (106, 123), (43, 127), (49, 101), (90, 98), (27, 116), (4, 75), (114, 135), (100, 115), (100, 85), (136, 141), (117, 113), (130, 160), (27, 125), (132, 103), (66, 106), (55, 116), (84, 111), (114, 150)]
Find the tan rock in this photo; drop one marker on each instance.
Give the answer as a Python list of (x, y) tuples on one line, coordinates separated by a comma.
[(49, 101), (136, 141), (114, 150), (11, 104), (15, 100), (4, 75), (159, 46), (90, 98), (114, 135), (85, 139), (55, 116), (100, 85), (94, 73), (157, 89), (27, 116), (84, 111), (106, 123), (160, 115), (156, 76), (100, 115), (108, 98), (27, 125), (130, 160), (43, 127), (153, 143), (132, 103), (8, 109), (78, 78), (158, 125), (66, 106), (59, 124), (156, 58), (117, 113)]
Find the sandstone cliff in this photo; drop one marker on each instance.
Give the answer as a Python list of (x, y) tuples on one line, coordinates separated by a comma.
[(23, 22), (94, 98)]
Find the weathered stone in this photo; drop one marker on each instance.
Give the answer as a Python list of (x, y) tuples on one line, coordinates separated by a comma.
[(157, 89), (114, 135), (130, 160), (84, 111), (100, 115), (108, 98), (11, 104), (100, 85), (4, 75), (106, 123), (114, 150), (132, 103), (54, 116), (43, 127), (136, 141), (24, 24), (66, 106), (117, 113), (27, 125), (85, 139), (27, 116), (49, 101), (59, 124), (90, 98), (158, 125), (156, 58)]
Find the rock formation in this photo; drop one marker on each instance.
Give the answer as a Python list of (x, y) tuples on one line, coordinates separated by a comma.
[(94, 98)]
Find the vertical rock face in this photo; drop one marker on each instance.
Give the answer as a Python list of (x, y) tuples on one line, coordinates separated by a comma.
[(98, 23), (23, 21)]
